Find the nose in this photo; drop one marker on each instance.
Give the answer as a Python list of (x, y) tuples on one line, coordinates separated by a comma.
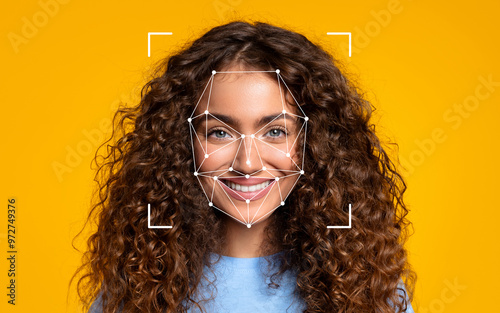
[(247, 158)]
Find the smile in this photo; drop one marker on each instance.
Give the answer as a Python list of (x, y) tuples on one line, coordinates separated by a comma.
[(247, 189)]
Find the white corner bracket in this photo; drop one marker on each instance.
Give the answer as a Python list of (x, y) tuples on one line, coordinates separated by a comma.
[(149, 219), (157, 33), (350, 219), (343, 33)]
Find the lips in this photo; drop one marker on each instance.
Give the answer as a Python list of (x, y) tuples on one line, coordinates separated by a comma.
[(252, 188)]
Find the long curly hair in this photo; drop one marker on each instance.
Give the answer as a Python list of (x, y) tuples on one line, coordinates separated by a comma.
[(148, 159)]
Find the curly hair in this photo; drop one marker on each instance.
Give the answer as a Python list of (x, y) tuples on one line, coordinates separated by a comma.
[(149, 160)]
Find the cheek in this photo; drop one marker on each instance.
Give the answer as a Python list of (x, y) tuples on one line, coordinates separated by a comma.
[(276, 157), (219, 157)]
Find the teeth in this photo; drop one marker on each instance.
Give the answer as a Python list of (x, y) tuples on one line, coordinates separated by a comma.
[(252, 188)]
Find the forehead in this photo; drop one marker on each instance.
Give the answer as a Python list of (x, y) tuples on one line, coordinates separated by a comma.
[(244, 94)]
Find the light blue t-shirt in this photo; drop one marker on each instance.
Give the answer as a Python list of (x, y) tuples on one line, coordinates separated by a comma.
[(242, 287)]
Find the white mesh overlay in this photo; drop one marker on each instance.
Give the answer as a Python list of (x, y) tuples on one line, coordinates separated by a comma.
[(245, 199)]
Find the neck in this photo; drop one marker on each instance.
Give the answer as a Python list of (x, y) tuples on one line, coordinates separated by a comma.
[(244, 242)]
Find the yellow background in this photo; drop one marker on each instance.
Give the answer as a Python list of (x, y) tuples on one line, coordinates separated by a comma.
[(415, 59)]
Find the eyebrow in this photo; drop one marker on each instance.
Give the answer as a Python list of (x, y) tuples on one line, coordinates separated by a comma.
[(235, 123)]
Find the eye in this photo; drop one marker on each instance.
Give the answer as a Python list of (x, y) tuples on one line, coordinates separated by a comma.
[(218, 134), (276, 132)]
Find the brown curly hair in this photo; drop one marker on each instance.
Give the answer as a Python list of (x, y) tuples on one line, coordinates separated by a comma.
[(149, 160)]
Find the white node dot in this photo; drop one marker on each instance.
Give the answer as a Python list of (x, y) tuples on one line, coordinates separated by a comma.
[(215, 177), (284, 111), (213, 72), (206, 156), (264, 168), (302, 172), (247, 176), (306, 118), (249, 225), (282, 203), (206, 111), (243, 136), (252, 136), (210, 204), (230, 169), (276, 178), (195, 173), (288, 154), (278, 71), (189, 120), (247, 162), (247, 201)]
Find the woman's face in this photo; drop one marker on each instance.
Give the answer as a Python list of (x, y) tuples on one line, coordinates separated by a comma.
[(244, 137)]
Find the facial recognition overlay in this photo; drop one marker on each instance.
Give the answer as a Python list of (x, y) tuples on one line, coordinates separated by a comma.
[(245, 144)]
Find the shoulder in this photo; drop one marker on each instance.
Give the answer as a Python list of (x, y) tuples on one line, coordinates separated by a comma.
[(96, 306), (402, 293)]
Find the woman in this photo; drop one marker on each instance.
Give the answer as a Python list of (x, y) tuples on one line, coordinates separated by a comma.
[(248, 144)]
